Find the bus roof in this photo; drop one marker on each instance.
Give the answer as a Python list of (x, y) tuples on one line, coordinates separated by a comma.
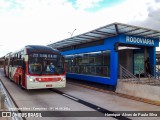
[(41, 49)]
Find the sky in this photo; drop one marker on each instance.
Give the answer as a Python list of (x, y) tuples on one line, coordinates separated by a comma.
[(42, 22)]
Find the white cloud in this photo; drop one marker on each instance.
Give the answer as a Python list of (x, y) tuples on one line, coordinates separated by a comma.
[(41, 21), (5, 4), (84, 4)]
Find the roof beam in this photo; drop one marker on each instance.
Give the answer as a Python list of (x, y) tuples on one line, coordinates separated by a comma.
[(156, 36), (66, 42), (116, 28), (86, 37), (92, 36), (75, 39), (101, 33), (141, 32), (131, 30), (153, 33)]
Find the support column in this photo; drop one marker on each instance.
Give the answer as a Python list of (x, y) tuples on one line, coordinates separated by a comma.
[(114, 67), (152, 56), (152, 59)]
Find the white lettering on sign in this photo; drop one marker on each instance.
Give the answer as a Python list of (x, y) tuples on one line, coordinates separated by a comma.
[(139, 40)]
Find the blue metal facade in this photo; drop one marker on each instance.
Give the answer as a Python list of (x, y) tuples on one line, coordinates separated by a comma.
[(109, 45)]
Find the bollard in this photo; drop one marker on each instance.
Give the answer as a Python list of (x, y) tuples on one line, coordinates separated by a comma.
[(2, 100)]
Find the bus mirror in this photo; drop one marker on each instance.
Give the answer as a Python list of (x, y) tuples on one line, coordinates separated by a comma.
[(26, 58)]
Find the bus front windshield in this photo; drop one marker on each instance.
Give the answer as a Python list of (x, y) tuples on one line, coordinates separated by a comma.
[(46, 64)]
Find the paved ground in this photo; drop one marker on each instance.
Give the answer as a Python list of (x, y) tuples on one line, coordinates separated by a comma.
[(37, 99), (46, 99)]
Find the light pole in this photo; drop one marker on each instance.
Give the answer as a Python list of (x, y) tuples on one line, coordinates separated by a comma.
[(72, 32)]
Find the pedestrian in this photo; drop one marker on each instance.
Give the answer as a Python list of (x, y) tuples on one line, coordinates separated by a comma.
[(147, 66)]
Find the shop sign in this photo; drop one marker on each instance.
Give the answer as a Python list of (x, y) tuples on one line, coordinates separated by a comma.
[(138, 40)]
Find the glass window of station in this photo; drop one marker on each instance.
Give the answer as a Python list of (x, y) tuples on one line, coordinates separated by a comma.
[(93, 63)]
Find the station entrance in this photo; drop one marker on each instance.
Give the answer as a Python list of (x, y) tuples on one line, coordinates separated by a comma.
[(133, 58), (133, 79)]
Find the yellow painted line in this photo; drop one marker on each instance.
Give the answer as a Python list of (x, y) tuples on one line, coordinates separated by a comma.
[(157, 103)]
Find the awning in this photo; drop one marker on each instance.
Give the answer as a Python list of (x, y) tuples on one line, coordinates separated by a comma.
[(106, 32)]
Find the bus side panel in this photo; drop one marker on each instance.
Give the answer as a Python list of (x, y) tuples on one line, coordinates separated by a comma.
[(20, 77), (7, 71), (25, 74), (23, 83), (4, 69), (12, 71)]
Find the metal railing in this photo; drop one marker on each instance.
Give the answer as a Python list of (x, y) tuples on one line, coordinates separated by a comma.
[(155, 71), (8, 102), (140, 78), (90, 70), (126, 74)]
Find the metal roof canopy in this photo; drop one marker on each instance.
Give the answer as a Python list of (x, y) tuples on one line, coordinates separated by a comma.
[(106, 32)]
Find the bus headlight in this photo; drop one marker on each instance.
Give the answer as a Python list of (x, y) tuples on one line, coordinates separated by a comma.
[(31, 80), (63, 79)]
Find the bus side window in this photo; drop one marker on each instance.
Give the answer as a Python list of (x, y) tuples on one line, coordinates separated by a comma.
[(20, 62), (10, 62), (23, 64)]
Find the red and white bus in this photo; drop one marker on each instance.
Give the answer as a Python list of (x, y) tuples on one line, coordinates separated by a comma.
[(36, 67)]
